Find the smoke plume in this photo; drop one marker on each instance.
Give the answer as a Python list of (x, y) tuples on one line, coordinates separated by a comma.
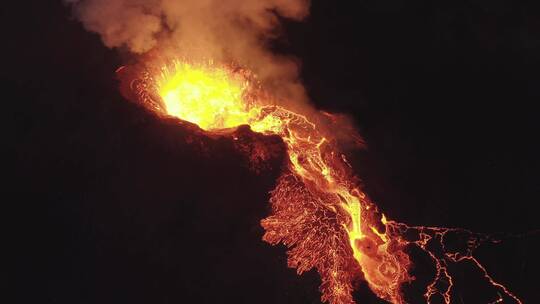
[(221, 30)]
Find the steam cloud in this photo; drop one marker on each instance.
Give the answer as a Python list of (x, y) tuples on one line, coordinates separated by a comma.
[(221, 30)]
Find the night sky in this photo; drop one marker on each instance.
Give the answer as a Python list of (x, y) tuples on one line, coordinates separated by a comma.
[(105, 204)]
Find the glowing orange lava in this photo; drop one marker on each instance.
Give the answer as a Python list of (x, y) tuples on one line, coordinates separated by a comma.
[(318, 209)]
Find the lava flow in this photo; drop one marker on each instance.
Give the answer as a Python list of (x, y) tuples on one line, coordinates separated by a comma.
[(319, 210)]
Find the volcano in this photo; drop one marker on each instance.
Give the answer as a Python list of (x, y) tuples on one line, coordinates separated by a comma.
[(319, 210), (137, 202)]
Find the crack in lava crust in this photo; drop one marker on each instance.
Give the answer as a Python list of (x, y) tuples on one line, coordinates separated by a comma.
[(318, 209)]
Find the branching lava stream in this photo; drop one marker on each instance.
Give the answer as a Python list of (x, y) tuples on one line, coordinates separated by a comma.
[(318, 209)]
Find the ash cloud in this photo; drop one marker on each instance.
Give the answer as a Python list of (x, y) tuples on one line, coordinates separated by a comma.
[(222, 30)]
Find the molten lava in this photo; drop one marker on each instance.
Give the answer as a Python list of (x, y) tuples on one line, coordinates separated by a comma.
[(318, 209), (211, 98)]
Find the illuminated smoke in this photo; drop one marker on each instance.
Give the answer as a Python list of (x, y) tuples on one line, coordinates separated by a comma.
[(221, 30)]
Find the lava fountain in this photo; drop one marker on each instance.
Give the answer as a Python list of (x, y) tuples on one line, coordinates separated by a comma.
[(319, 211)]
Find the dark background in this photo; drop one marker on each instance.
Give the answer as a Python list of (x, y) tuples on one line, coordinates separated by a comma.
[(104, 203)]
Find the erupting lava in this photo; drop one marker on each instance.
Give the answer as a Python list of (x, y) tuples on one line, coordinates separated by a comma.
[(318, 209)]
